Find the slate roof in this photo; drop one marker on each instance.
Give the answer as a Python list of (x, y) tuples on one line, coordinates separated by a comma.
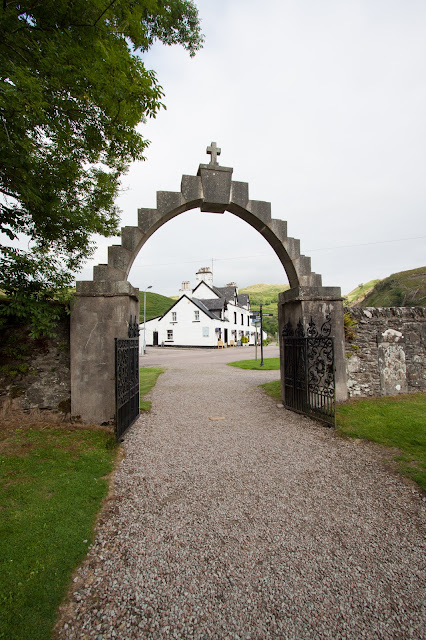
[(215, 304), (200, 304), (225, 292), (243, 299), (197, 303)]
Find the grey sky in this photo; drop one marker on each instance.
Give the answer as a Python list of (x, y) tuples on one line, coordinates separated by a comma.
[(320, 107)]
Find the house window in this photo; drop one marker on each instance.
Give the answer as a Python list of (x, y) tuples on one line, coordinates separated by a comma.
[(169, 334), (205, 332), (196, 316), (242, 319), (174, 316), (248, 321), (235, 317)]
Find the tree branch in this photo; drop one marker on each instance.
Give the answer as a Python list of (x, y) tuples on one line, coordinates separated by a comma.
[(104, 12)]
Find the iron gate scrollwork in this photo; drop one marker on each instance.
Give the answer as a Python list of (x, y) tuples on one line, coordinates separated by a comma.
[(309, 380), (127, 379)]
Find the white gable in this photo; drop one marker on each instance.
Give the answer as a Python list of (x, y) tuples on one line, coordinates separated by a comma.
[(203, 292)]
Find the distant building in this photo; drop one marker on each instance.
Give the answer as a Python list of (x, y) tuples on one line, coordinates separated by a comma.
[(206, 316)]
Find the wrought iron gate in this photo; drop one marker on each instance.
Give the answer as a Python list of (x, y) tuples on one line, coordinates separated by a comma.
[(127, 379), (309, 381)]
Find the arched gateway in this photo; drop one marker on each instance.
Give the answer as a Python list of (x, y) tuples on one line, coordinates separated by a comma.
[(104, 305)]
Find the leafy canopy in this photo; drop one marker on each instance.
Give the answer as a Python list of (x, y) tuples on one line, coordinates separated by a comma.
[(73, 88)]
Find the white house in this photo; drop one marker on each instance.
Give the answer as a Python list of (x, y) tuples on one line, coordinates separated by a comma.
[(206, 316)]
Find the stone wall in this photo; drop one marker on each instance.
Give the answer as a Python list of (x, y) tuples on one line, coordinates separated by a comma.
[(44, 383), (387, 356)]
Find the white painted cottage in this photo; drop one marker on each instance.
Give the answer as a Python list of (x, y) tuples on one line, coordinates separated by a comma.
[(205, 316)]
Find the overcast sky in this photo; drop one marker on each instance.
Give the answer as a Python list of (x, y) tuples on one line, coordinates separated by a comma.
[(320, 107)]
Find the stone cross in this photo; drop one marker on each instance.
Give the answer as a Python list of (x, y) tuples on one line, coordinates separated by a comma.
[(213, 151)]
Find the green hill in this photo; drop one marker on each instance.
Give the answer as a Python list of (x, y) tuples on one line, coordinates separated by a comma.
[(156, 305), (267, 295), (403, 289), (356, 296), (264, 293)]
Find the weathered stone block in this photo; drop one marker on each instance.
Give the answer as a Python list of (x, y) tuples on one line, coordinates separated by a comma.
[(168, 200), (216, 183), (292, 246), (260, 209), (100, 314), (105, 272), (131, 238), (147, 218), (240, 194), (303, 265), (279, 228), (191, 188), (119, 257)]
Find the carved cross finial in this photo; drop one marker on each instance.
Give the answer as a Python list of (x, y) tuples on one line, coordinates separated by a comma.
[(214, 151)]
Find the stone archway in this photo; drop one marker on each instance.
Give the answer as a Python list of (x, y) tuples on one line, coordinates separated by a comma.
[(103, 305)]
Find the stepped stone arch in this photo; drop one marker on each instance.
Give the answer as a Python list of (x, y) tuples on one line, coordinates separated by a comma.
[(103, 306)]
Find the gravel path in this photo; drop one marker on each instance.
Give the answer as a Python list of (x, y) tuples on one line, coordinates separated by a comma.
[(232, 518)]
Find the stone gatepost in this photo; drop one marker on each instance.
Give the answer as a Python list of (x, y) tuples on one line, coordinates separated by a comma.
[(100, 313), (304, 303)]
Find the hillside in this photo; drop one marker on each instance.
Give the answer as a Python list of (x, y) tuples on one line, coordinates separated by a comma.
[(264, 293), (267, 295), (156, 305), (403, 289), (356, 296)]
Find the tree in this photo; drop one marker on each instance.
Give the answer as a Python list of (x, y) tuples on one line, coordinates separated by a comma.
[(73, 88)]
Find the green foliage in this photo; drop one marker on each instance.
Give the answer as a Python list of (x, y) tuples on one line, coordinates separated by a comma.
[(52, 483), (40, 310), (350, 326), (269, 364), (147, 379), (403, 289), (156, 305), (73, 89), (397, 421)]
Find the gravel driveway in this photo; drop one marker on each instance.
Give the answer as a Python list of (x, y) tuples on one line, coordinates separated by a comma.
[(232, 518)]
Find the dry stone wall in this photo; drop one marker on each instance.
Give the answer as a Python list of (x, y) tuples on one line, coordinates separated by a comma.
[(388, 353), (46, 384)]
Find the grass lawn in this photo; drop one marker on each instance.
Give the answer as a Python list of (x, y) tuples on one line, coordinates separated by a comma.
[(270, 364), (273, 389), (397, 422), (147, 379), (53, 479)]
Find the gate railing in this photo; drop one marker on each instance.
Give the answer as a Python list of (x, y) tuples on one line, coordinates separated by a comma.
[(127, 379), (309, 379)]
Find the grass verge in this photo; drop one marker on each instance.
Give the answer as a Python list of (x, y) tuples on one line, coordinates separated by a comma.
[(393, 421), (273, 389), (396, 421), (147, 379), (270, 364), (52, 482)]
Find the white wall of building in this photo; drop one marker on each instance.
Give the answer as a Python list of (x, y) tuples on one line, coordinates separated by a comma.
[(183, 325), (187, 325)]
